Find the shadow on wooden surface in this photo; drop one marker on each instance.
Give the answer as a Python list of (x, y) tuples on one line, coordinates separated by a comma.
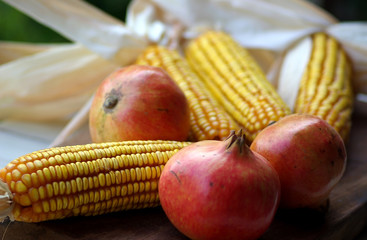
[(134, 224)]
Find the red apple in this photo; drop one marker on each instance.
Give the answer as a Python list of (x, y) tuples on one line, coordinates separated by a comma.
[(309, 156), (139, 103)]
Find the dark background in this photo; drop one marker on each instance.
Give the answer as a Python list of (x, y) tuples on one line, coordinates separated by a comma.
[(15, 26)]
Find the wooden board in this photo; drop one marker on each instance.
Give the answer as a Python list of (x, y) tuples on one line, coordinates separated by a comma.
[(345, 219)]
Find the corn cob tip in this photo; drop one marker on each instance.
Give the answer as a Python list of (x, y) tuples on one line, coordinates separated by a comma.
[(6, 202)]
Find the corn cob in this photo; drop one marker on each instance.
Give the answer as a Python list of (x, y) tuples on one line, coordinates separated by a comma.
[(208, 120), (236, 81), (326, 88), (84, 180)]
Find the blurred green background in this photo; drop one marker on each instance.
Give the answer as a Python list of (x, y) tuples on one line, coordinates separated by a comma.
[(15, 26)]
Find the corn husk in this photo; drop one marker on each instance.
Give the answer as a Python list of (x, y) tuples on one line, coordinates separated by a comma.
[(87, 25), (290, 74), (275, 32), (50, 85), (10, 51)]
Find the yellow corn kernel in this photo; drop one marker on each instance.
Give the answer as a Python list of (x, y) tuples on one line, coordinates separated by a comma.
[(97, 187), (208, 119), (326, 87), (236, 81)]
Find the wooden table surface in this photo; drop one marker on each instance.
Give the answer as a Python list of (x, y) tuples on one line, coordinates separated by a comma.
[(345, 218)]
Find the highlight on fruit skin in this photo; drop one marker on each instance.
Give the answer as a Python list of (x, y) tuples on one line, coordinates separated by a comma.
[(236, 81), (208, 119), (84, 180), (326, 85)]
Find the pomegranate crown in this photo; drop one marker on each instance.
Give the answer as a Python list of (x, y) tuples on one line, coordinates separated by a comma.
[(238, 139)]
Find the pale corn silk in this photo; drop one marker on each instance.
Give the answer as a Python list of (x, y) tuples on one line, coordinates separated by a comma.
[(269, 29)]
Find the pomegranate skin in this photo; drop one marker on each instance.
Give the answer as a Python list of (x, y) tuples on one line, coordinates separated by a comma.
[(309, 156), (139, 102), (211, 192)]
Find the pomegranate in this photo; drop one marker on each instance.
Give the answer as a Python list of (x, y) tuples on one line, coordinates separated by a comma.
[(219, 190), (139, 103), (309, 156)]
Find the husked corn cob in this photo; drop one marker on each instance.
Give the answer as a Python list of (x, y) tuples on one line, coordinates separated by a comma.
[(85, 180), (326, 88), (208, 119), (236, 81)]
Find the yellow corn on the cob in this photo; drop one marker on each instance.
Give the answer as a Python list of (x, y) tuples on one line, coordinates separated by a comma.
[(208, 119), (236, 81), (85, 180), (326, 88)]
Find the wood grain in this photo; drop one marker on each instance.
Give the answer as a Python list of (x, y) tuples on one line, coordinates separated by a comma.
[(345, 219)]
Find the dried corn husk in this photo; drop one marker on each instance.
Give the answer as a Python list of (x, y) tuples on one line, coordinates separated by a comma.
[(10, 51), (87, 25), (50, 85)]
